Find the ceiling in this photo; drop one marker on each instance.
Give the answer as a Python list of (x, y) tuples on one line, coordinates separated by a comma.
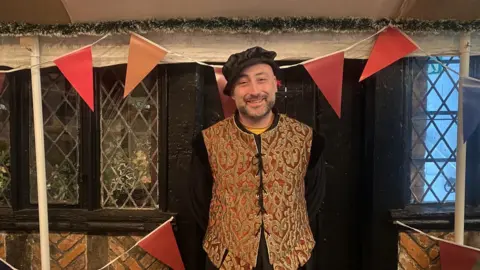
[(73, 11)]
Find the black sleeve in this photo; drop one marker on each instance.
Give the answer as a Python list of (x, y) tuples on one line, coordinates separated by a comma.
[(200, 183), (315, 180)]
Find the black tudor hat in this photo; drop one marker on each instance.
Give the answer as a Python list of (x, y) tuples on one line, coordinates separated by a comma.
[(237, 62)]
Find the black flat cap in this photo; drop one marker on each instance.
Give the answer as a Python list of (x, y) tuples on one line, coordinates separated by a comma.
[(237, 62)]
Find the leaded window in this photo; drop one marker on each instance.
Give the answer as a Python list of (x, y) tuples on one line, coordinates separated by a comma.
[(129, 139), (61, 139), (5, 177), (434, 129)]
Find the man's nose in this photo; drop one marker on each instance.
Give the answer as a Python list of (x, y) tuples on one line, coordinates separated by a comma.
[(255, 89)]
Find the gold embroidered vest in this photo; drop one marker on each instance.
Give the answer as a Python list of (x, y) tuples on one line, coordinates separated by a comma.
[(236, 216)]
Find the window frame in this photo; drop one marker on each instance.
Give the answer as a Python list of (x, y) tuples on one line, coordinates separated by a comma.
[(435, 88), (87, 215), (438, 215), (387, 173)]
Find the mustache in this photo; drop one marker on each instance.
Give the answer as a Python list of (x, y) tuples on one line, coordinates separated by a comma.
[(255, 97)]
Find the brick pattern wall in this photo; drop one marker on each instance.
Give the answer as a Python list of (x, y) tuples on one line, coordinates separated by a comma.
[(418, 252), (76, 251), (137, 258)]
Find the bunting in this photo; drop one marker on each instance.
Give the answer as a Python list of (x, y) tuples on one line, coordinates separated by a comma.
[(390, 46), (228, 104), (471, 108), (458, 257), (327, 73), (143, 56), (161, 244), (77, 68)]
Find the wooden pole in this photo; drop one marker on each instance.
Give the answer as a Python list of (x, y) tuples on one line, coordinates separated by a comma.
[(40, 152), (461, 146)]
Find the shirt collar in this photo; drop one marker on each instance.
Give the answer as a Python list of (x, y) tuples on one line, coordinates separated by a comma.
[(276, 117)]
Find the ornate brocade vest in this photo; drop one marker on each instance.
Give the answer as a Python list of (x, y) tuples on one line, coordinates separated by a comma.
[(258, 186)]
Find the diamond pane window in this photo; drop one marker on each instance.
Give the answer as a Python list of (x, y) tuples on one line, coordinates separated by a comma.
[(434, 130), (129, 136), (5, 178), (61, 128)]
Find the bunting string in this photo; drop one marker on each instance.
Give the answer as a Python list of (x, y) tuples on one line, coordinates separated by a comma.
[(193, 60), (136, 244), (282, 67), (435, 59), (203, 63), (119, 256), (343, 50), (6, 263), (50, 61), (326, 71)]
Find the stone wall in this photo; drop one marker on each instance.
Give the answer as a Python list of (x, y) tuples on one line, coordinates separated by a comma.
[(76, 251), (418, 252)]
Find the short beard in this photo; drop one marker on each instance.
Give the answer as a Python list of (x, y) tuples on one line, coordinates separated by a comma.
[(255, 117)]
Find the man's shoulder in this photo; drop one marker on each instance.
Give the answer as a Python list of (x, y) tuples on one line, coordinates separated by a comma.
[(293, 121), (218, 125), (318, 137)]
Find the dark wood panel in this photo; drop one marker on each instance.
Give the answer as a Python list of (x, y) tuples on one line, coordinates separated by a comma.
[(339, 230), (185, 83), (389, 165)]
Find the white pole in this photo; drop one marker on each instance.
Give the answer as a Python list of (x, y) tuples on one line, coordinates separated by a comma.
[(40, 153), (461, 147)]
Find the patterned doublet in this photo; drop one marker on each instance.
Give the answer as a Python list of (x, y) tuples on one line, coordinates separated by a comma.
[(258, 186)]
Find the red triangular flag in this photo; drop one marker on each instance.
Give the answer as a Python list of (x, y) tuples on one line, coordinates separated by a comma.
[(161, 244), (143, 56), (327, 73), (458, 257), (78, 69), (228, 104), (390, 46)]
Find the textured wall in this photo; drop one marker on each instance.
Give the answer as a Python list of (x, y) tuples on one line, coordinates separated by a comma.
[(76, 251), (418, 252)]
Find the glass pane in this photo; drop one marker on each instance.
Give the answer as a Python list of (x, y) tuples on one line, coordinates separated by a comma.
[(434, 130), (4, 141), (61, 127), (129, 136)]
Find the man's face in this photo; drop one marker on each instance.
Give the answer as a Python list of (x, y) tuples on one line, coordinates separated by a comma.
[(254, 92)]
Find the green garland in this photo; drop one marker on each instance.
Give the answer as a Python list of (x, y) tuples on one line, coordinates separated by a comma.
[(232, 25)]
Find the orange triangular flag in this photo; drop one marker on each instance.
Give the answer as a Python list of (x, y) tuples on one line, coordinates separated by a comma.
[(228, 104), (143, 56), (390, 46), (161, 244), (77, 68), (327, 73)]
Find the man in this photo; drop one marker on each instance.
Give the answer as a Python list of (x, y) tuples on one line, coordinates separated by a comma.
[(258, 176)]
